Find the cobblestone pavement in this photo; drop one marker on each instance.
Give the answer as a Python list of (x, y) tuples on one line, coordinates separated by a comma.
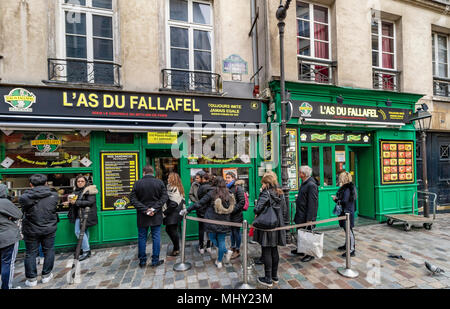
[(117, 267)]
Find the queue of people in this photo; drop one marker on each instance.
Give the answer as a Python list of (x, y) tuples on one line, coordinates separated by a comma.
[(214, 198)]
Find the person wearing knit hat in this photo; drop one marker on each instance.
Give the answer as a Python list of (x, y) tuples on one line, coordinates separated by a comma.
[(9, 237)]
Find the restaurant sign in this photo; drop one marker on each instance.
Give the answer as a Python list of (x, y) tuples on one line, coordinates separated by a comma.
[(348, 113), (49, 101), (335, 137)]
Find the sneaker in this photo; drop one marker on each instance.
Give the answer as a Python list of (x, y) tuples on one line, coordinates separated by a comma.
[(31, 282), (85, 255), (47, 278), (342, 248), (218, 264), (264, 281), (160, 262), (275, 280), (253, 242), (228, 256), (201, 250)]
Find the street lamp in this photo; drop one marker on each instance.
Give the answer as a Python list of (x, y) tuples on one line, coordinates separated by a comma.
[(423, 118), (281, 15)]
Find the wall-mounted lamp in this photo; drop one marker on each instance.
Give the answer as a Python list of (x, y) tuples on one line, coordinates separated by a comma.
[(340, 99)]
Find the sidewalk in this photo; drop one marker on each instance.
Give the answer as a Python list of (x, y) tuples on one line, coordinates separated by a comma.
[(118, 267)]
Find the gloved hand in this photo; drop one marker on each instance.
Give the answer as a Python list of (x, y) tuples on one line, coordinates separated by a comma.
[(183, 212)]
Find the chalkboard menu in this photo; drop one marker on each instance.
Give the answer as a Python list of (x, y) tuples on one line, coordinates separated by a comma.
[(291, 154), (119, 173), (397, 162)]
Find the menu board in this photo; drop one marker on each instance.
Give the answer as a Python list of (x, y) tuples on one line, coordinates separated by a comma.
[(397, 162), (291, 155), (119, 173)]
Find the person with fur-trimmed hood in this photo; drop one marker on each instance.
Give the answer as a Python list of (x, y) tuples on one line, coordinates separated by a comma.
[(86, 197), (346, 197)]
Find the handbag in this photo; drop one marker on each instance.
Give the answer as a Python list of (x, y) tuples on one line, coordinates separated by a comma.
[(310, 243), (268, 219), (337, 209)]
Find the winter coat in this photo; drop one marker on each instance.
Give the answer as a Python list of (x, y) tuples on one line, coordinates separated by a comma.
[(149, 192), (39, 205), (202, 191), (237, 214), (346, 197), (172, 212), (193, 197), (86, 197), (270, 198), (215, 209), (307, 202), (9, 230)]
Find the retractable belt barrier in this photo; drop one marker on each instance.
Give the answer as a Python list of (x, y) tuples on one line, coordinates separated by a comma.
[(183, 266)]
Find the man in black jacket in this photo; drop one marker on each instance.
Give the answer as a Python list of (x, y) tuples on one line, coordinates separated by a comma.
[(39, 204), (307, 203), (148, 196), (205, 187)]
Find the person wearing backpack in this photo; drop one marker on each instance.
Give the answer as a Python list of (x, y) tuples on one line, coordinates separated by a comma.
[(175, 204), (271, 196), (235, 187), (346, 197), (218, 204)]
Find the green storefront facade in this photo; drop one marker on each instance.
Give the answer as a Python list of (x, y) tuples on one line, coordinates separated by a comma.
[(367, 134), (101, 135)]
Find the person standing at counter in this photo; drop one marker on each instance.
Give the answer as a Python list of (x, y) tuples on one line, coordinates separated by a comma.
[(307, 203), (39, 205), (85, 197), (9, 237), (148, 196)]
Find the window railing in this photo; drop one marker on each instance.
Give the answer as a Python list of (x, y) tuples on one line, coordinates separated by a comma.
[(84, 72), (191, 81), (386, 79), (317, 71), (441, 86)]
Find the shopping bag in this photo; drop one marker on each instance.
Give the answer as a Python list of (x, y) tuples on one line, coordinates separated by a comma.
[(310, 243)]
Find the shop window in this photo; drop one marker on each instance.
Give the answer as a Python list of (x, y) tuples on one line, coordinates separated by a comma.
[(443, 152), (242, 173), (315, 156), (62, 183), (327, 166), (304, 156), (441, 66), (219, 148), (340, 160), (46, 149), (119, 138)]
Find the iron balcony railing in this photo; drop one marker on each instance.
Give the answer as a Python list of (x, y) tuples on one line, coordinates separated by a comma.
[(317, 70), (441, 86), (191, 81), (386, 79), (84, 72)]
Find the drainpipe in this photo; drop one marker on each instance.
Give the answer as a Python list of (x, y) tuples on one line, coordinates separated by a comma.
[(255, 50)]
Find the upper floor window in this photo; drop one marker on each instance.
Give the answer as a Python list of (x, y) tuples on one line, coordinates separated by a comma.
[(384, 61), (190, 45), (86, 47), (440, 64), (313, 42)]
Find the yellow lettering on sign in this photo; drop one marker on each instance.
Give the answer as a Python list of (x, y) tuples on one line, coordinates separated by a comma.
[(93, 100), (65, 102), (161, 108), (170, 104), (179, 103), (120, 105), (151, 107), (194, 109), (133, 101), (82, 100), (142, 103), (108, 101)]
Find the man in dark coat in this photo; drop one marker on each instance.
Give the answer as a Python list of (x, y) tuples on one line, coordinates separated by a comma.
[(148, 196), (307, 203), (39, 227), (205, 187), (9, 237)]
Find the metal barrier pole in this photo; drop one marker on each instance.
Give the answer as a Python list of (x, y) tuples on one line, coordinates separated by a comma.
[(347, 271), (183, 266), (244, 285)]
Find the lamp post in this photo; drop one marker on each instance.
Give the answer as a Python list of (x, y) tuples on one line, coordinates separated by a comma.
[(281, 15), (423, 118)]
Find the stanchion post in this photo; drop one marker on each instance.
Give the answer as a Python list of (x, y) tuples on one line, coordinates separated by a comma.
[(347, 271), (182, 266), (244, 285)]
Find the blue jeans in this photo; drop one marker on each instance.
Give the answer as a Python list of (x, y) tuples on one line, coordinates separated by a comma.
[(218, 240), (142, 243), (235, 237), (7, 258), (32, 251), (85, 244)]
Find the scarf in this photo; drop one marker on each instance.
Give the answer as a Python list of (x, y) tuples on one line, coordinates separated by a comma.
[(230, 184), (174, 195)]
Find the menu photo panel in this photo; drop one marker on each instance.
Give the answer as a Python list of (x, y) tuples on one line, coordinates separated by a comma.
[(397, 164)]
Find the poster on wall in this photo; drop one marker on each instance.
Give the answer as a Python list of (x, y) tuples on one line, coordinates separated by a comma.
[(119, 173), (397, 162), (292, 156)]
